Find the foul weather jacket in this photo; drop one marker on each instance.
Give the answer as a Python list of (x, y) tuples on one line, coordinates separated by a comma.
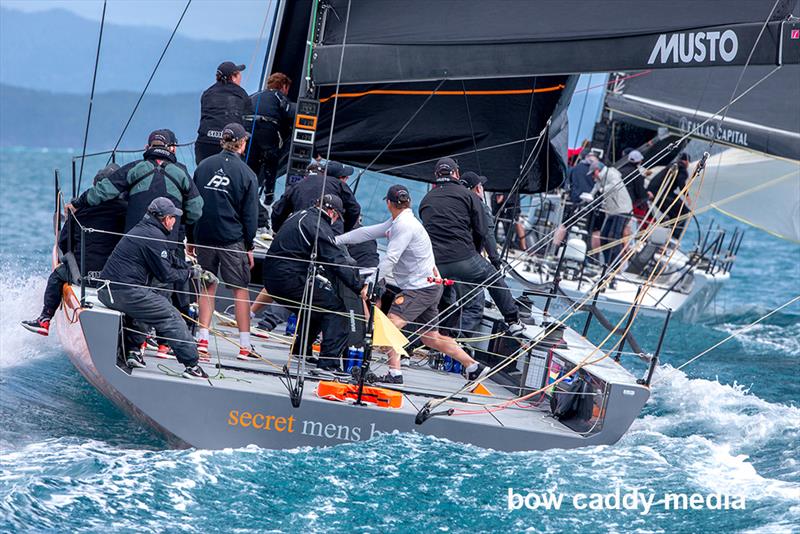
[(141, 255), (157, 175), (221, 104), (273, 114), (634, 181), (230, 202), (305, 194), (105, 217), (579, 181), (290, 252), (454, 219)]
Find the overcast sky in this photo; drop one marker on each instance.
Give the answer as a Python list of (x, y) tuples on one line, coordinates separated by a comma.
[(205, 19)]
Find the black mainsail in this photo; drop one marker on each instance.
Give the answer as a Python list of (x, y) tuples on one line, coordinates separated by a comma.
[(483, 81)]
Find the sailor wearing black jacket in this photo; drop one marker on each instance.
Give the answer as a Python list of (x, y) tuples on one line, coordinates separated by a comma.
[(273, 118), (139, 257), (222, 103), (108, 219), (455, 221), (226, 230), (306, 193), (286, 271)]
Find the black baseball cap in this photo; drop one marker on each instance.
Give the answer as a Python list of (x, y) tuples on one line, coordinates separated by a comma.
[(397, 193), (333, 202), (337, 169), (445, 166), (163, 137), (471, 179), (227, 68), (162, 206), (233, 132)]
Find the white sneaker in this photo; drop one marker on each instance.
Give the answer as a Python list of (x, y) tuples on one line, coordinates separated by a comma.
[(515, 329)]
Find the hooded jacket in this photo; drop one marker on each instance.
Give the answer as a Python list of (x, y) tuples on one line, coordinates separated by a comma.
[(284, 265), (141, 255), (107, 217), (158, 174), (616, 200), (305, 194)]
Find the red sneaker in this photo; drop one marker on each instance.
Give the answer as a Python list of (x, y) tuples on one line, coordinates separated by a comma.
[(39, 326), (202, 346), (248, 354), (165, 352)]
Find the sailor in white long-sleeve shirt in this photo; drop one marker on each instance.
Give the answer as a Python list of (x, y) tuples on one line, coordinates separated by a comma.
[(409, 256)]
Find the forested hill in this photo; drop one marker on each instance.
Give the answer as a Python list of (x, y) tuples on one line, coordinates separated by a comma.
[(34, 118)]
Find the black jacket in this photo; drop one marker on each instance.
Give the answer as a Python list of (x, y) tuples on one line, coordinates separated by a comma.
[(273, 116), (230, 201), (489, 241), (295, 241), (454, 219), (157, 175), (634, 182), (109, 217), (142, 255), (221, 104), (306, 193), (579, 181)]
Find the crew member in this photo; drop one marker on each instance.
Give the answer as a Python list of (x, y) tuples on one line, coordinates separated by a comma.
[(633, 176), (138, 257), (579, 183), (410, 257), (157, 174), (616, 205), (306, 193), (226, 230), (108, 222), (455, 222), (273, 118), (222, 103), (676, 202), (286, 272), (472, 312)]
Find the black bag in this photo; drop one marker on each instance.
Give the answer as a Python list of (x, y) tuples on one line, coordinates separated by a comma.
[(571, 402)]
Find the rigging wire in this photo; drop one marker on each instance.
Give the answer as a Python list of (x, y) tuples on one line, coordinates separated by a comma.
[(147, 85), (472, 128), (91, 97), (734, 334)]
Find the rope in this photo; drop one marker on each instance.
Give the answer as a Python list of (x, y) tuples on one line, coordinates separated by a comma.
[(91, 96), (147, 85)]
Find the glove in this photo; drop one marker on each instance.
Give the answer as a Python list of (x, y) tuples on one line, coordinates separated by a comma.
[(496, 262), (586, 197), (197, 271), (209, 278)]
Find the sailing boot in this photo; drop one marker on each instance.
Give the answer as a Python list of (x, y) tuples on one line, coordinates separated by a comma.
[(194, 371), (40, 325), (389, 378)]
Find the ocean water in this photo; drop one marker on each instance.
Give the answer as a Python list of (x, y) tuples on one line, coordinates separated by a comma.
[(70, 461)]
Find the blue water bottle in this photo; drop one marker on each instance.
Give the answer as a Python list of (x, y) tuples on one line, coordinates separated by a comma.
[(291, 324), (352, 355)]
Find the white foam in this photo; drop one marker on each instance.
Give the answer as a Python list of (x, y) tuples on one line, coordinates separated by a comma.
[(21, 299)]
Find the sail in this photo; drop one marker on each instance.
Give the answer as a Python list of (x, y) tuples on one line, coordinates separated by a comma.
[(389, 42), (740, 184), (683, 99), (417, 80)]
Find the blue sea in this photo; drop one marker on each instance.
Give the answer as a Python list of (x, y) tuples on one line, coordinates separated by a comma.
[(70, 461)]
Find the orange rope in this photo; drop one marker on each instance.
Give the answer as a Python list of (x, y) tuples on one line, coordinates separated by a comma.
[(70, 300), (443, 93)]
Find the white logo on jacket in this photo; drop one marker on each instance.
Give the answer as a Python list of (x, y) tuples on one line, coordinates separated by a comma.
[(695, 47), (219, 180), (164, 254)]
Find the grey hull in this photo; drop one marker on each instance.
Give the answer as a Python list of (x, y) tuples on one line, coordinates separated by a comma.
[(253, 407)]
